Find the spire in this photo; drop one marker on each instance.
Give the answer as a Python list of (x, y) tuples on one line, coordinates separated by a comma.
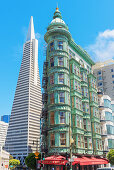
[(57, 9), (57, 13), (31, 34)]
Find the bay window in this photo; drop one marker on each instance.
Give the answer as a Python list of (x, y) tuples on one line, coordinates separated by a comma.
[(62, 117), (51, 62), (85, 143), (62, 139), (52, 79), (61, 78), (52, 46), (60, 45), (62, 97), (52, 98), (60, 61), (52, 118), (52, 139)]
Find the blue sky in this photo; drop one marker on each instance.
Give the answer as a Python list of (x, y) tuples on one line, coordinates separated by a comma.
[(91, 23)]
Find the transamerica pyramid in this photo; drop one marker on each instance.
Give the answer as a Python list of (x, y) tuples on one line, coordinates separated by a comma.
[(24, 125)]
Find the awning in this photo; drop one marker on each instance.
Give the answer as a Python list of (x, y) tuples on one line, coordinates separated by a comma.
[(60, 160), (54, 160), (90, 161)]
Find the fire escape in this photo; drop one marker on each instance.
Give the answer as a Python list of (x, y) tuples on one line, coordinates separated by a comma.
[(44, 116)]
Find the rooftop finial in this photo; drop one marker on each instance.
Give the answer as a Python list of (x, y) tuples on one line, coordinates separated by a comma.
[(57, 7)]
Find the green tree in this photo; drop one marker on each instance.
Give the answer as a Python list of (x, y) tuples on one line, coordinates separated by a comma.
[(10, 157), (30, 160), (13, 163), (110, 156)]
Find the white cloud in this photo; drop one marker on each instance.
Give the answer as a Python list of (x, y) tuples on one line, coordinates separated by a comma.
[(103, 48)]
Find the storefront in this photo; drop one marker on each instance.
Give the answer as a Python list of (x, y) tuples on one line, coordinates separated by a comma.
[(80, 163)]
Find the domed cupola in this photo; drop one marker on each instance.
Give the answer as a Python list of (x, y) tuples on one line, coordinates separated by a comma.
[(57, 26)]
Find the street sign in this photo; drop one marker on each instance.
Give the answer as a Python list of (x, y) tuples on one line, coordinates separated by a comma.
[(36, 153)]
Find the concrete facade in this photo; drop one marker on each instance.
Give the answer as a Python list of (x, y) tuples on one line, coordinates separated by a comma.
[(104, 73), (107, 122), (3, 132), (24, 125)]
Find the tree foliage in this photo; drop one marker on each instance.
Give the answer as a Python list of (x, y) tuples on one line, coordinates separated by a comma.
[(110, 156), (14, 162), (30, 160), (10, 157)]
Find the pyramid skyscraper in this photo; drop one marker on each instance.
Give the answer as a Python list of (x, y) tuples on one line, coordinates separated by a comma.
[(24, 125)]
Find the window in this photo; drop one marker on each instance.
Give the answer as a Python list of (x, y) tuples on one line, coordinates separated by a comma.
[(61, 97), (76, 85), (76, 102), (62, 117), (51, 46), (79, 87), (112, 76), (61, 78), (82, 91), (85, 124), (85, 77), (71, 54), (71, 84), (74, 69), (87, 108), (81, 76), (67, 64), (99, 72), (60, 61), (112, 70), (62, 139), (73, 120), (89, 125), (99, 78), (68, 98), (52, 79), (86, 92), (52, 140), (72, 99), (83, 105), (80, 104), (78, 71), (78, 122), (85, 142), (82, 141), (81, 122), (100, 84), (90, 143), (52, 62), (60, 45), (52, 118), (52, 98), (79, 142)]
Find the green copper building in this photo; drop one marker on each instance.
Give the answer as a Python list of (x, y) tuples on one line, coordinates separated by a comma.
[(71, 114)]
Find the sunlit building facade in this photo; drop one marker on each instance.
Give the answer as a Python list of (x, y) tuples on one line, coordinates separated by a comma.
[(70, 116), (24, 126)]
